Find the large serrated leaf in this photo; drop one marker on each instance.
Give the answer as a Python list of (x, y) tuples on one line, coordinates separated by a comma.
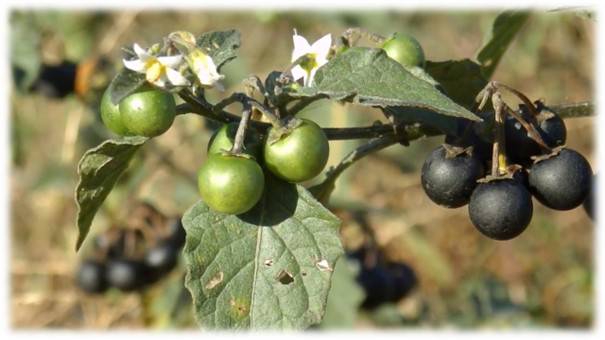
[(369, 77), (220, 45), (268, 268), (504, 29), (98, 171)]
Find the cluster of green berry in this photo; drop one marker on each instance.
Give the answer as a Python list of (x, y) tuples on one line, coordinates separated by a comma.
[(131, 259), (234, 183), (501, 206), (228, 182)]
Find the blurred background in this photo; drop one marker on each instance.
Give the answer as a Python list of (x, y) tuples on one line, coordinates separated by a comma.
[(453, 276)]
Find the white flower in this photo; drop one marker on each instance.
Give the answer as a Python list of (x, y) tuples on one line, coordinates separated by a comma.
[(204, 68), (157, 70), (317, 56)]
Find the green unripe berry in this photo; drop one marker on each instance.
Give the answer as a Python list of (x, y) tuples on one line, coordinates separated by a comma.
[(148, 112), (223, 139), (230, 184), (110, 115), (405, 49)]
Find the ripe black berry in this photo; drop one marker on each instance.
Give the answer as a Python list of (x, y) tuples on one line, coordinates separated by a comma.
[(449, 179), (553, 130), (520, 147), (377, 284), (91, 277), (126, 274), (403, 278), (501, 209), (562, 181), (161, 258), (177, 233)]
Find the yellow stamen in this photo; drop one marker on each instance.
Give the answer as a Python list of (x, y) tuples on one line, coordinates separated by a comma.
[(154, 70)]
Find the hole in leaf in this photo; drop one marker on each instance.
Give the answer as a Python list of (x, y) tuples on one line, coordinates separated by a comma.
[(285, 278)]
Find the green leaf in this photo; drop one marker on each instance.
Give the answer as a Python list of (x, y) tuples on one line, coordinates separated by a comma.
[(369, 77), (344, 299), (220, 45), (461, 79), (268, 268), (98, 171), (125, 83), (504, 29)]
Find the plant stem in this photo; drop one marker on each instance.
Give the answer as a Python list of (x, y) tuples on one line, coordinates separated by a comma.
[(573, 110), (323, 190), (499, 146), (204, 109), (240, 135)]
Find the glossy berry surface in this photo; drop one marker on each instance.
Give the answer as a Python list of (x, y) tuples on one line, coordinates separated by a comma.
[(501, 209), (519, 146), (405, 49), (230, 184), (90, 277), (561, 182), (223, 139), (162, 257), (126, 274), (298, 155), (553, 131), (148, 112), (111, 117), (449, 180)]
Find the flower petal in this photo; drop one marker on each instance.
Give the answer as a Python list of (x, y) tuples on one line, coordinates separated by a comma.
[(172, 61), (135, 65), (140, 51), (298, 72), (301, 46), (322, 46), (160, 81), (176, 78)]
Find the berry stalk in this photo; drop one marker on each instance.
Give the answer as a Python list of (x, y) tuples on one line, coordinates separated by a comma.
[(240, 135), (499, 147)]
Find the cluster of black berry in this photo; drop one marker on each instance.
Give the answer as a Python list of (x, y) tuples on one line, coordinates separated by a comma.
[(131, 259), (500, 206)]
